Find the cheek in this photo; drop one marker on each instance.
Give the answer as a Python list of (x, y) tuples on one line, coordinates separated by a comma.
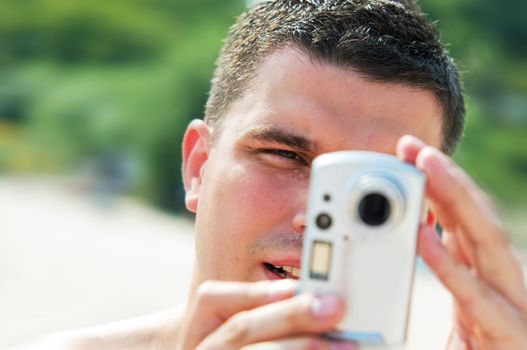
[(256, 198), (246, 201), (240, 203)]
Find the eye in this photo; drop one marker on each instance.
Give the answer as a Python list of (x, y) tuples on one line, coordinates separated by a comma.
[(285, 155)]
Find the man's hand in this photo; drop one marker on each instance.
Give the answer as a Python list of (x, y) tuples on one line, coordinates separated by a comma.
[(261, 315), (473, 259)]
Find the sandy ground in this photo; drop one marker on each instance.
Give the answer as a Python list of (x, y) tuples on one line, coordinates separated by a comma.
[(68, 262)]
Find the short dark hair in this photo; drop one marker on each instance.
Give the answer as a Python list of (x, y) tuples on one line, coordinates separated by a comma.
[(386, 41)]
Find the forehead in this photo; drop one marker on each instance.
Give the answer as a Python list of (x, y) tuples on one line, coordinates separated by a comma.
[(335, 108)]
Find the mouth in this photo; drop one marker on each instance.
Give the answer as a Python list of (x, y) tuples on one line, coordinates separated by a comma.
[(281, 271)]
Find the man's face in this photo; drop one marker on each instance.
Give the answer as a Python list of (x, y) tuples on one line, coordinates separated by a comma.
[(253, 182)]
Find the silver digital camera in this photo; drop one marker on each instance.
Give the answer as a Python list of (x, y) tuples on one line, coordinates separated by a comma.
[(364, 210)]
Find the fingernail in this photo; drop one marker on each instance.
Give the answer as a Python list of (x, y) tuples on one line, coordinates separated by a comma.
[(414, 140), (343, 346), (281, 289), (325, 306)]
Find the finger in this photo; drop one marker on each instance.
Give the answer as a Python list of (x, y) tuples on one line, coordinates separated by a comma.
[(304, 314), (479, 302), (452, 245), (215, 302), (407, 150), (408, 147), (302, 343), (461, 200), (461, 321), (463, 204), (228, 298), (458, 245)]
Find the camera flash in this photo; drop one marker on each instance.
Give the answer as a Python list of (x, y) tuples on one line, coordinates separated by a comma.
[(320, 260)]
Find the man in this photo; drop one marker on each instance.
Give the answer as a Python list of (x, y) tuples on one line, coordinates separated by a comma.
[(296, 79)]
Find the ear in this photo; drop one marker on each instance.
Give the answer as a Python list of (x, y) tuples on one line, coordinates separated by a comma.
[(196, 149)]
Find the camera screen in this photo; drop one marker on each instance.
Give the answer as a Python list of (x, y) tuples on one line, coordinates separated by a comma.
[(320, 260)]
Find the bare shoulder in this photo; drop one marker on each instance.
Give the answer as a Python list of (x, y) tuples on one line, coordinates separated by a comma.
[(154, 331)]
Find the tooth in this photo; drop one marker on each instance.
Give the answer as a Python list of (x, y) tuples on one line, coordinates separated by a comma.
[(288, 268), (295, 271)]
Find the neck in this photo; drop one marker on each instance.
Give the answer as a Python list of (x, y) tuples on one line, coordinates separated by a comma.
[(194, 284)]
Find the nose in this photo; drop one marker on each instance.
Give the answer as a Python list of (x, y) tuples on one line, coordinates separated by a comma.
[(300, 207), (299, 222)]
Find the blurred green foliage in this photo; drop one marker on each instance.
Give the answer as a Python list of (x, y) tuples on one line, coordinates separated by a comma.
[(83, 79), (80, 80), (489, 41)]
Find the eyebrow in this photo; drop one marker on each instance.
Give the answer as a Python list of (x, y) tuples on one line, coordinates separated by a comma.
[(275, 134)]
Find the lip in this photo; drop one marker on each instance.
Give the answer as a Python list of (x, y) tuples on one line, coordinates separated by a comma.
[(270, 275), (293, 262)]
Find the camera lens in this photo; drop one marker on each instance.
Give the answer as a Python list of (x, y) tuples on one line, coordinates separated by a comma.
[(323, 221), (374, 209)]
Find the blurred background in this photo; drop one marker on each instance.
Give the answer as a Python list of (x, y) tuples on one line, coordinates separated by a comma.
[(94, 99)]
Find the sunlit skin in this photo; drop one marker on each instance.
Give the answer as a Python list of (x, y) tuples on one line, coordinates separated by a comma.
[(248, 189), (252, 194)]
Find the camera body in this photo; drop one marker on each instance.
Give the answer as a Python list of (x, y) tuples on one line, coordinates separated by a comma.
[(364, 210)]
